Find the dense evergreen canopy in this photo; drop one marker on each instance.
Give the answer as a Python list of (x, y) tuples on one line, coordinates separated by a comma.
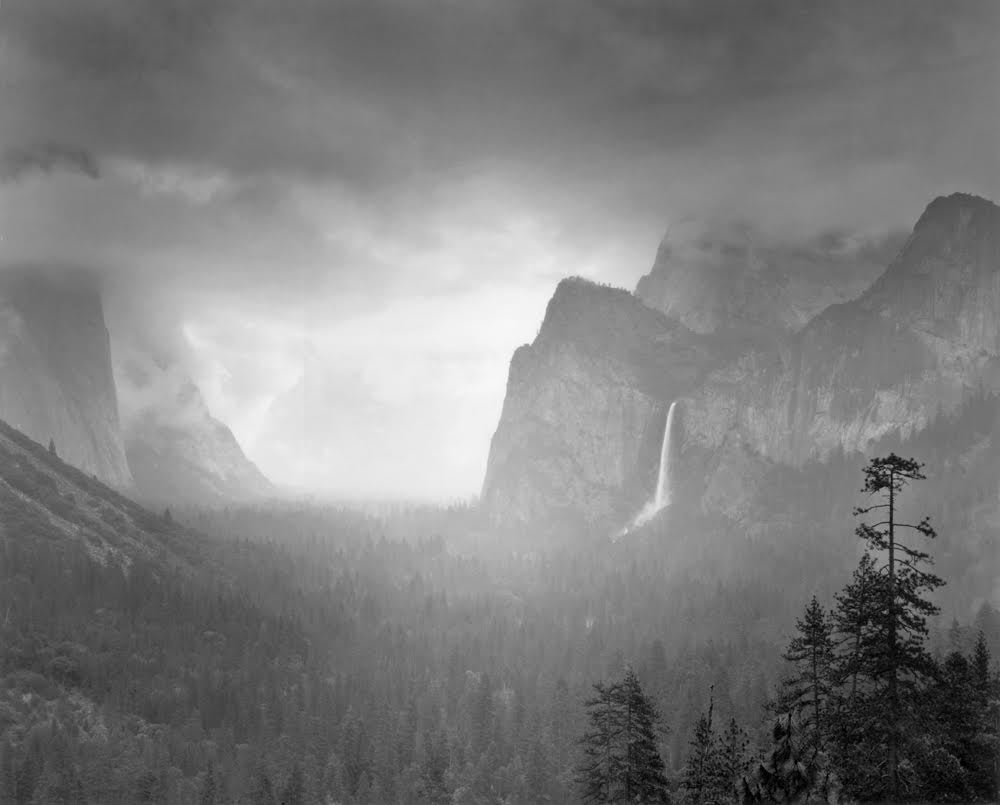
[(298, 652)]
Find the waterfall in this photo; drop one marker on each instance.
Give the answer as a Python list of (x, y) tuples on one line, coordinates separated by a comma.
[(662, 496)]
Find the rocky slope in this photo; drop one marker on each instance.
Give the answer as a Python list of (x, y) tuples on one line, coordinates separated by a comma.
[(45, 500), (177, 451), (585, 402), (56, 379)]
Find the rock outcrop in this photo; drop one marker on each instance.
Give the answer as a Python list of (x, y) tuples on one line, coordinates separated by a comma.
[(179, 452), (56, 381)]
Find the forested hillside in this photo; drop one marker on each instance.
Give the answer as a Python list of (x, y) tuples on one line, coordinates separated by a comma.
[(298, 653)]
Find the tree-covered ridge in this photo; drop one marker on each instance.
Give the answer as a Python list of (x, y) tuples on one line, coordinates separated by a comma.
[(317, 654), (43, 496), (328, 659)]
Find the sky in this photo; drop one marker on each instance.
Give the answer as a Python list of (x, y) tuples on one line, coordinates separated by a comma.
[(343, 216)]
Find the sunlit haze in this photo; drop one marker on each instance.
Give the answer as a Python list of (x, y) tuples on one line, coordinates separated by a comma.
[(344, 218)]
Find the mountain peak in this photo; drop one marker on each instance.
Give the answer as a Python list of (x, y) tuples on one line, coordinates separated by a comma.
[(579, 305), (733, 278), (955, 240), (960, 209), (177, 450)]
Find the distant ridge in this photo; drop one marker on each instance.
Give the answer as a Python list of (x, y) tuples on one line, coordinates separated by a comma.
[(178, 452)]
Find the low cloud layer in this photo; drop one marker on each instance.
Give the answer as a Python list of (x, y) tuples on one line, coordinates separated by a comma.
[(264, 184), (19, 162)]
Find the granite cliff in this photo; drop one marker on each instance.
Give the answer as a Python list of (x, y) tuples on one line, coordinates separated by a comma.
[(919, 341), (58, 383), (579, 435), (56, 380), (583, 415)]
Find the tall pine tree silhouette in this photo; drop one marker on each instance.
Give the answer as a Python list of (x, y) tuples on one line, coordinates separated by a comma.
[(702, 757), (807, 692), (643, 777), (892, 652), (732, 762), (600, 768), (621, 762)]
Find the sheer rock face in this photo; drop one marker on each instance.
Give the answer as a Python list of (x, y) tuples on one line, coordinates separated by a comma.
[(919, 341), (179, 452), (582, 422), (583, 416), (56, 380)]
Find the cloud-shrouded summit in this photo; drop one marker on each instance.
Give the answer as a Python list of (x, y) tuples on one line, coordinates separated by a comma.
[(342, 218)]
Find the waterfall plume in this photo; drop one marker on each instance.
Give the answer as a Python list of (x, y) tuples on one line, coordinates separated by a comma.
[(663, 493)]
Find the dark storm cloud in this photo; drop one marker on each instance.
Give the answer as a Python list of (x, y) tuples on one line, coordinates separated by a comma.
[(157, 82), (380, 94), (16, 163)]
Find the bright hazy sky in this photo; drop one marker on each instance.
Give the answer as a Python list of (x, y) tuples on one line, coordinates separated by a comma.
[(344, 216)]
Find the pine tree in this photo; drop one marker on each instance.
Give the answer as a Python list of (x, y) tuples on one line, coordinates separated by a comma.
[(621, 761), (785, 775), (986, 694), (52, 446), (600, 769), (434, 770), (993, 720), (852, 619), (702, 758), (643, 777), (538, 772), (560, 724), (482, 716), (852, 742), (893, 654), (956, 636), (8, 776), (987, 621), (294, 792), (949, 736), (27, 774), (981, 670), (732, 761), (806, 694), (363, 793), (263, 793), (208, 794)]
